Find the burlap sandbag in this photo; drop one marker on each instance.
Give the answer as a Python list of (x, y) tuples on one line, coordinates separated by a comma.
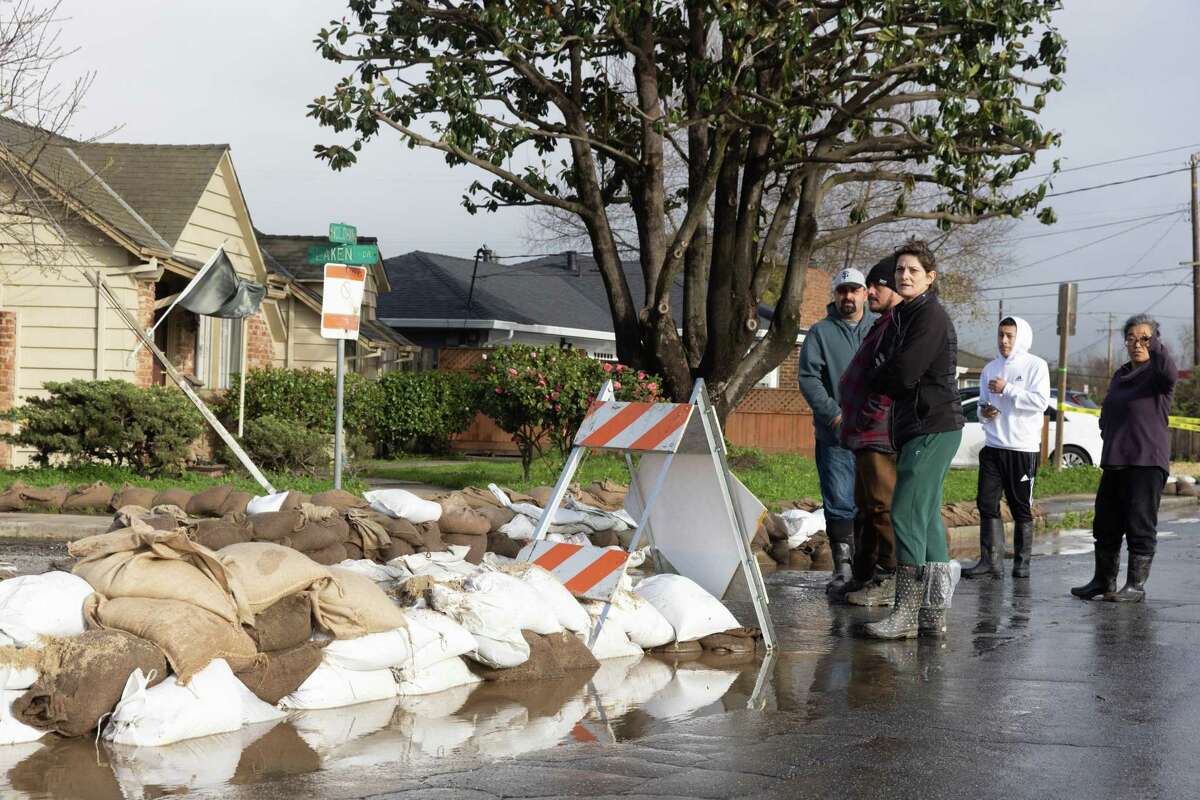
[(604, 539), (217, 533), (398, 529), (208, 502), (85, 498), (765, 560), (679, 649), (478, 498), (396, 549), (457, 517), (542, 664), (318, 535), (189, 636), (338, 498), (798, 559), (497, 516), (269, 572), (610, 493), (777, 530), (276, 675), (81, 678), (517, 497), (431, 538), (476, 542), (172, 497), (502, 544), (132, 496), (355, 553), (570, 652), (164, 565), (328, 556), (781, 553), (11, 499), (236, 503), (275, 526), (294, 501), (737, 640), (283, 625), (369, 536), (48, 499), (374, 609)]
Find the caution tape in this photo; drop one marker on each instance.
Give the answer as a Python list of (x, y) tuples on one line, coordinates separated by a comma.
[(1179, 423)]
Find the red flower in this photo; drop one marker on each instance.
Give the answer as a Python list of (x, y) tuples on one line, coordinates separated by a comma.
[(606, 367)]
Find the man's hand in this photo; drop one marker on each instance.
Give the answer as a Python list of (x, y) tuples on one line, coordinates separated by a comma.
[(989, 412), (836, 421), (996, 385)]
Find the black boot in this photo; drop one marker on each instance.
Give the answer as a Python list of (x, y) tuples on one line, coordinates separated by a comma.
[(1134, 590), (1108, 563), (1022, 548), (841, 547), (991, 551)]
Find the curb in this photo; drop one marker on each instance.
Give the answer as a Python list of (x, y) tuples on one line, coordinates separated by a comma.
[(52, 527), (1077, 504)]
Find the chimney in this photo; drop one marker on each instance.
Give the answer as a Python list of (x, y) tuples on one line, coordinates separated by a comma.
[(573, 263)]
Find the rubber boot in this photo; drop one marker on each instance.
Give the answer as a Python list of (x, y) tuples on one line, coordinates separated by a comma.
[(991, 551), (1108, 564), (1022, 548), (841, 548), (938, 589), (1134, 590), (902, 622)]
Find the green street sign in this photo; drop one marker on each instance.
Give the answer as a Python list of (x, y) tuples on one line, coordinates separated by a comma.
[(356, 254), (342, 233)]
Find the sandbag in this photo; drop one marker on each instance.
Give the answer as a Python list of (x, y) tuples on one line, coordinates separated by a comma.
[(693, 612), (12, 499), (266, 503), (368, 535), (208, 503), (541, 664), (275, 526), (82, 678), (737, 640), (607, 538), (172, 497), (340, 499), (12, 730), (294, 501), (403, 504), (446, 565), (282, 625), (642, 622), (502, 544), (611, 643), (458, 517), (526, 609), (380, 573), (431, 538), (431, 680), (50, 604), (19, 667), (236, 503), (270, 572), (354, 552), (555, 597), (132, 496), (497, 516), (278, 674), (372, 607), (571, 652), (94, 496), (138, 516), (476, 544), (217, 533), (385, 650), (434, 638), (318, 535), (398, 528), (397, 548), (331, 687), (164, 565), (48, 499), (189, 636), (328, 556), (491, 619)]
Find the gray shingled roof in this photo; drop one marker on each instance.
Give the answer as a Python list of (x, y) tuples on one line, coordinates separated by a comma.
[(537, 292), (147, 192)]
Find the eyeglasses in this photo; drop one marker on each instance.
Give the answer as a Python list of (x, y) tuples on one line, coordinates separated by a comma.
[(1144, 341)]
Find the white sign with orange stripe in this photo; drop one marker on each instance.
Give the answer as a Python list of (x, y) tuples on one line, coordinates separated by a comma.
[(588, 572), (644, 427), (341, 302)]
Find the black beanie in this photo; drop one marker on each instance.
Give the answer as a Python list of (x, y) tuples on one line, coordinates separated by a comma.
[(883, 273)]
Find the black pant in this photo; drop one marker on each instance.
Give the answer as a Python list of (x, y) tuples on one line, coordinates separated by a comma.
[(1010, 471), (1127, 505)]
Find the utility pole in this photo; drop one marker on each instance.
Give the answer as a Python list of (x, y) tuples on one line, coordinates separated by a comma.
[(1001, 311), (1067, 293), (1195, 263), (1110, 335)]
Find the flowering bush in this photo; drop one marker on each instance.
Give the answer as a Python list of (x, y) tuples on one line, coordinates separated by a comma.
[(540, 395)]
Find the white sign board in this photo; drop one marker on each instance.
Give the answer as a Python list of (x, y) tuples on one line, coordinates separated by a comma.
[(341, 301)]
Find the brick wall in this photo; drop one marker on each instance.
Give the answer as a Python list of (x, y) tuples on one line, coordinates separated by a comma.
[(260, 351), (817, 294), (143, 374), (8, 377), (182, 337)]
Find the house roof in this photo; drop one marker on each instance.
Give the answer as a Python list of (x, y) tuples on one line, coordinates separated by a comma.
[(292, 253), (970, 361), (146, 192), (542, 291)]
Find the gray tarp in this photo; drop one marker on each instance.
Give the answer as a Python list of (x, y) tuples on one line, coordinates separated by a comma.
[(219, 292)]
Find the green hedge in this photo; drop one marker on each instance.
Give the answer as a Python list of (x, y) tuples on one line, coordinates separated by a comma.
[(420, 411)]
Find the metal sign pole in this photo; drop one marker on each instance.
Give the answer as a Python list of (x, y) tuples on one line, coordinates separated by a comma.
[(337, 417)]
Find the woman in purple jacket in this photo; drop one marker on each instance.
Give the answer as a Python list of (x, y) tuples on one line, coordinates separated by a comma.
[(1136, 459)]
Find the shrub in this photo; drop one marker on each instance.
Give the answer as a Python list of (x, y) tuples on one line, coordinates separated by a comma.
[(279, 445), (306, 397), (149, 430), (422, 410)]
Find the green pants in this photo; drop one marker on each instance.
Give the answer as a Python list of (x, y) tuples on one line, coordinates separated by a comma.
[(917, 502)]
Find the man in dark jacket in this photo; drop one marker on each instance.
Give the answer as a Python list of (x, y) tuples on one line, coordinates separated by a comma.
[(865, 420), (827, 350)]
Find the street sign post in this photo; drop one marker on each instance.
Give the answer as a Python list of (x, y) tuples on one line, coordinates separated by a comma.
[(341, 304), (341, 233), (353, 254)]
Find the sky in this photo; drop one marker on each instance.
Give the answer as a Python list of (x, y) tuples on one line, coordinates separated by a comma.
[(242, 73)]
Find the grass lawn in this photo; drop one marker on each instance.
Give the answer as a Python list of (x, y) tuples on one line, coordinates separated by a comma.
[(192, 481), (774, 478)]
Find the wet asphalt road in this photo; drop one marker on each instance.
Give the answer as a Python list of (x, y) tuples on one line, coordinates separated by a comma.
[(1034, 694)]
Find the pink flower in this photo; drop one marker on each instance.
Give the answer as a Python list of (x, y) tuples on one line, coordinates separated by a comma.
[(606, 367), (617, 385), (512, 372), (499, 390), (557, 407), (652, 387), (641, 375), (620, 367)]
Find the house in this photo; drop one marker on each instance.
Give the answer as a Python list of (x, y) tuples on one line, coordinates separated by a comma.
[(455, 308), (970, 367)]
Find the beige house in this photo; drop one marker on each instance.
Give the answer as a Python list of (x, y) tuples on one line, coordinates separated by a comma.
[(145, 217)]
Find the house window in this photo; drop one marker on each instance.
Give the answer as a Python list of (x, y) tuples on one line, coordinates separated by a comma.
[(231, 352), (218, 351), (203, 349), (601, 355), (770, 380)]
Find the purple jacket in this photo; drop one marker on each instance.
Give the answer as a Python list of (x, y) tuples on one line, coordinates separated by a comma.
[(1133, 419), (865, 415)]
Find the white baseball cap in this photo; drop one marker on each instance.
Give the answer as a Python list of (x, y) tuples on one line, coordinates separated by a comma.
[(849, 277)]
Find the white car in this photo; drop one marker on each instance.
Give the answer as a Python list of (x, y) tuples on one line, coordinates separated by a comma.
[(1081, 442)]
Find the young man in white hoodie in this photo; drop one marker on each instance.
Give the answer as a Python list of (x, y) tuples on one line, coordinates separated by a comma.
[(1014, 390)]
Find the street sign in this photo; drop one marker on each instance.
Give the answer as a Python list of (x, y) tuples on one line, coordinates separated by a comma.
[(341, 233), (341, 301), (360, 254)]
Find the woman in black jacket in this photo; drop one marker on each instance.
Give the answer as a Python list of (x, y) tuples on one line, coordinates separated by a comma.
[(918, 371)]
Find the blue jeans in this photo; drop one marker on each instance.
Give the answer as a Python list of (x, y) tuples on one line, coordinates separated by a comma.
[(835, 468)]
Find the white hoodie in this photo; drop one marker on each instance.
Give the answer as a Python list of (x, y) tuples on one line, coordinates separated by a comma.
[(1024, 399)]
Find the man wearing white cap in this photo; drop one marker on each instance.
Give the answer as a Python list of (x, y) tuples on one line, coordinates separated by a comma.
[(828, 347)]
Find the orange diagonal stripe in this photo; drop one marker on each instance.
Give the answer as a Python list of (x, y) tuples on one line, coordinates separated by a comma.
[(556, 555), (665, 427), (620, 421), (345, 273), (347, 321), (596, 571)]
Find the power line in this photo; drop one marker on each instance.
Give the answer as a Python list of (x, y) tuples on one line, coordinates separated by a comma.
[(1110, 161), (1080, 280), (1083, 246), (1095, 227), (1093, 291), (1118, 183)]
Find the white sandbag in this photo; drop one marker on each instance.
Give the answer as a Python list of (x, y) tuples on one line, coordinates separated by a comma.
[(264, 504), (446, 674), (374, 651), (489, 619), (693, 612), (554, 596), (693, 687), (380, 573), (612, 642), (326, 729), (214, 701), (435, 637), (802, 525), (330, 687), (403, 504), (50, 604), (17, 676), (442, 566), (578, 537), (527, 611), (642, 622), (519, 527), (12, 730)]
